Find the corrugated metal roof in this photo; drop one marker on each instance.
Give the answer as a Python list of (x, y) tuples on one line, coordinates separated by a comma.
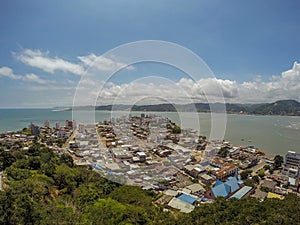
[(223, 189), (233, 183), (242, 192), (187, 198), (181, 205)]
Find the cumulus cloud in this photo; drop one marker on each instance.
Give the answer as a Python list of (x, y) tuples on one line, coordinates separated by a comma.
[(102, 63), (43, 61), (8, 72), (284, 86), (169, 91)]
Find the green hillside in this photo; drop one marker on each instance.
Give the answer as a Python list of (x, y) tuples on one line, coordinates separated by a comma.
[(46, 188), (282, 107)]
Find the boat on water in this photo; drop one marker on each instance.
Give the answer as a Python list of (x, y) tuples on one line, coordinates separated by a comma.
[(61, 109)]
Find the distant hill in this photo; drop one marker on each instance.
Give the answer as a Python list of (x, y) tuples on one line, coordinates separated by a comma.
[(282, 107)]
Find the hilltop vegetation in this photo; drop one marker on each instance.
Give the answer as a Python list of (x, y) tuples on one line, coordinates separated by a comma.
[(47, 188), (283, 107), (286, 107)]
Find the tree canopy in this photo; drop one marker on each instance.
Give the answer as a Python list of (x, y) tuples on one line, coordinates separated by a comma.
[(46, 188)]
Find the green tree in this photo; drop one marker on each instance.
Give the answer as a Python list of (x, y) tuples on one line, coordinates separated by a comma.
[(34, 163), (223, 152), (244, 175), (261, 173), (6, 159), (22, 210), (48, 168), (64, 178), (255, 178), (278, 160), (67, 159), (34, 150), (108, 211), (267, 167), (249, 182)]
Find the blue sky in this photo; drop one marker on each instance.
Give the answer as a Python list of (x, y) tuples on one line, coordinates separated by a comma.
[(245, 43)]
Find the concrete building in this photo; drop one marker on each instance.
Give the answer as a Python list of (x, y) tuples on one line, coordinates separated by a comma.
[(71, 124), (225, 169), (206, 179), (211, 152), (195, 189), (292, 164), (35, 130), (269, 185), (121, 153), (57, 125), (47, 124), (81, 128), (181, 205), (142, 156)]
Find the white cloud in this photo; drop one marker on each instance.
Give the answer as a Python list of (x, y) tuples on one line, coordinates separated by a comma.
[(41, 60), (34, 78), (285, 86), (151, 91), (172, 91), (101, 63), (8, 72)]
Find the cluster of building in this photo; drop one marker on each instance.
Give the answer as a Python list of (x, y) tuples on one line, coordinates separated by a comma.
[(130, 150), (145, 151), (49, 136), (148, 151)]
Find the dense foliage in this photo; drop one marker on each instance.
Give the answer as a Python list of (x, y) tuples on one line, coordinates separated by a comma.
[(46, 188)]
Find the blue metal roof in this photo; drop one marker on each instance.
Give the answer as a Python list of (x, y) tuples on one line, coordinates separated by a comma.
[(242, 192), (218, 182), (240, 181), (221, 190), (233, 183), (224, 189), (187, 198)]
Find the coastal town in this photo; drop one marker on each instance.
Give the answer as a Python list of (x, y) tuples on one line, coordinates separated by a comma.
[(182, 167)]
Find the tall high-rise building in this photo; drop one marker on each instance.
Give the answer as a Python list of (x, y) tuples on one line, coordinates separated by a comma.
[(35, 130), (292, 164), (57, 125), (70, 124), (81, 128), (47, 123)]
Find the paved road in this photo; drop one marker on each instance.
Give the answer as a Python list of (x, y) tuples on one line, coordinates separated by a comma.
[(259, 166)]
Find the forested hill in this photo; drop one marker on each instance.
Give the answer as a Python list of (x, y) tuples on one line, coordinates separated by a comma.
[(45, 188), (282, 107)]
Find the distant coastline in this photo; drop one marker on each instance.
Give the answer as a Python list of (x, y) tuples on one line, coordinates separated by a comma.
[(278, 108)]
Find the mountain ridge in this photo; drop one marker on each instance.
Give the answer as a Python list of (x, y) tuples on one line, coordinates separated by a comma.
[(280, 107)]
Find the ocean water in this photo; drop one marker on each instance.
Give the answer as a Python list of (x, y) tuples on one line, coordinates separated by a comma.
[(273, 134)]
